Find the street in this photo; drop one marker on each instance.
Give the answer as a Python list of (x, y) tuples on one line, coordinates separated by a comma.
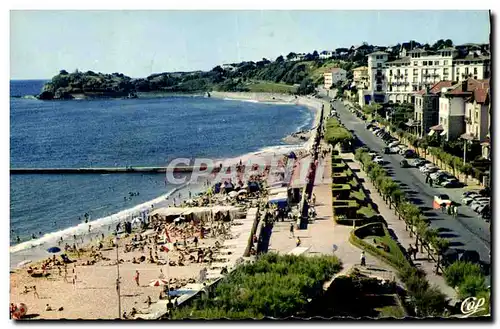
[(466, 232)]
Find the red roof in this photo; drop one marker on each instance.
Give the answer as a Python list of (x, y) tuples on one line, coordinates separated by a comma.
[(334, 69), (479, 89), (435, 89)]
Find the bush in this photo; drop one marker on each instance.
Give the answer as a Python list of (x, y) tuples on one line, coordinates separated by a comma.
[(429, 302), (471, 286), (275, 285), (455, 273)]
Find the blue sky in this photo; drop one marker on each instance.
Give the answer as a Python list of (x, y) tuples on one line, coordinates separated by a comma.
[(138, 43)]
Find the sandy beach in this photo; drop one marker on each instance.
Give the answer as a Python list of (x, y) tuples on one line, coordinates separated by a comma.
[(93, 295)]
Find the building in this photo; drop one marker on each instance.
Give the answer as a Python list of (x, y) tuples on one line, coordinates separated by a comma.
[(361, 78), (333, 76), (477, 118), (376, 77), (452, 107), (326, 54), (419, 69), (427, 107)]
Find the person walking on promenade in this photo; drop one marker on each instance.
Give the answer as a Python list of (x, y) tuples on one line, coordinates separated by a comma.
[(136, 277), (455, 211), (448, 209), (427, 176), (363, 259), (292, 235), (430, 181), (443, 207), (298, 243)]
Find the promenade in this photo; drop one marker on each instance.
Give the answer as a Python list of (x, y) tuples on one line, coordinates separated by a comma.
[(320, 236)]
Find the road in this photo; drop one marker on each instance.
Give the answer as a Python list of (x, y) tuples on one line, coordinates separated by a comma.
[(466, 232)]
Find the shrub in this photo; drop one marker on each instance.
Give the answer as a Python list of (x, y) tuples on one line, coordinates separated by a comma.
[(429, 302), (455, 273), (471, 286)]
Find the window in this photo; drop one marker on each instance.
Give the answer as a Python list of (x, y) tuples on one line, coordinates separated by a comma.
[(379, 64), (415, 63), (406, 71), (466, 71), (414, 88), (390, 72), (445, 71), (458, 72), (415, 71), (424, 63), (445, 62), (476, 116), (475, 70), (415, 79), (436, 62), (397, 71)]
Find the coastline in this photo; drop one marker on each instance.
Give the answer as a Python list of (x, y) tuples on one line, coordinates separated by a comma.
[(19, 278), (100, 225)]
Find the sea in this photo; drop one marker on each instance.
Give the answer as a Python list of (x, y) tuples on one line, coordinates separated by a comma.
[(120, 132)]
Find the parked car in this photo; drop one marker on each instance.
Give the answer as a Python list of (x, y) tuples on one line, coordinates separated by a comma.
[(404, 164), (468, 199), (450, 183), (479, 205), (485, 191), (469, 193), (378, 159), (429, 170), (395, 143), (395, 149), (437, 174), (477, 202), (417, 162), (409, 154), (402, 150)]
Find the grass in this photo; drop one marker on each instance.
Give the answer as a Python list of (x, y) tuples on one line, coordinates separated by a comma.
[(389, 311), (394, 249), (367, 211), (270, 87)]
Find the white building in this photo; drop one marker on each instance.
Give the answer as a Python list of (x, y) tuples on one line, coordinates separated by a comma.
[(334, 76), (421, 69), (376, 76)]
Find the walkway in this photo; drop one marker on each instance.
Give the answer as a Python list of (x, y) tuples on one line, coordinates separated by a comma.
[(398, 227), (320, 236)]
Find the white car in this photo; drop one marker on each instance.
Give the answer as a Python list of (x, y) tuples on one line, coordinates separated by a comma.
[(395, 149), (438, 174), (402, 150), (468, 200), (373, 154), (395, 143), (478, 205), (478, 201), (378, 159), (429, 170), (442, 198)]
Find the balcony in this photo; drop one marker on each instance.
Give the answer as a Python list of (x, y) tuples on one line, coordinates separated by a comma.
[(468, 120)]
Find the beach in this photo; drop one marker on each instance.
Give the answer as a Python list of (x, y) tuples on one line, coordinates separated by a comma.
[(96, 283)]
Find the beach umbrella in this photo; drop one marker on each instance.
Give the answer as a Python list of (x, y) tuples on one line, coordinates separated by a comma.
[(242, 192), (24, 262), (232, 194), (54, 250), (158, 283)]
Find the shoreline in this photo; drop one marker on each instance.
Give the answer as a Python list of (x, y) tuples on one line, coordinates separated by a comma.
[(65, 292), (28, 249)]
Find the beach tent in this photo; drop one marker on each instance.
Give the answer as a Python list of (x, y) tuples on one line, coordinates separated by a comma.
[(280, 200)]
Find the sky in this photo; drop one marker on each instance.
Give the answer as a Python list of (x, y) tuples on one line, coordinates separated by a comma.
[(139, 43)]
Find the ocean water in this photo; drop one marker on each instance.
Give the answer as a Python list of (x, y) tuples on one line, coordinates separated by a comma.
[(135, 132)]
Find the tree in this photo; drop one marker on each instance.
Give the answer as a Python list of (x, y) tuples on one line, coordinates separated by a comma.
[(455, 274), (291, 56), (448, 43), (63, 72), (306, 87), (471, 286), (280, 59), (315, 55)]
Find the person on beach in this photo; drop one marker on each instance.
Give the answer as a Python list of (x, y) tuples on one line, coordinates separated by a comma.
[(292, 235), (136, 277), (35, 293)]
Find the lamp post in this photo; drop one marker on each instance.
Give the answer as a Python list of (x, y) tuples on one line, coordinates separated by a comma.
[(118, 278)]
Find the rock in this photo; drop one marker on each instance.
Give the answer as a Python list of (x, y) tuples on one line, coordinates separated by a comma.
[(46, 95)]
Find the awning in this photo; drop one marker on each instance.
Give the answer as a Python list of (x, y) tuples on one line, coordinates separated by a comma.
[(437, 128)]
